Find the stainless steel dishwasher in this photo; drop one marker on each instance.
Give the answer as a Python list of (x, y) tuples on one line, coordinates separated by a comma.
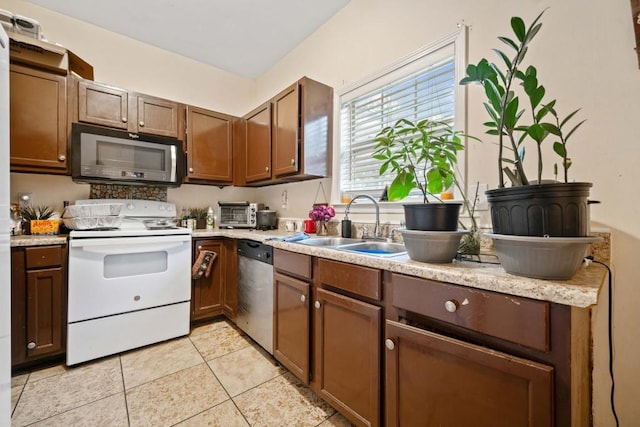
[(255, 292)]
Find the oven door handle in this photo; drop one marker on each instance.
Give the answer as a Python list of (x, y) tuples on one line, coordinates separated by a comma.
[(127, 245)]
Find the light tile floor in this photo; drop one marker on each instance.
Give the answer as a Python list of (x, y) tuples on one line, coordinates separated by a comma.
[(214, 377)]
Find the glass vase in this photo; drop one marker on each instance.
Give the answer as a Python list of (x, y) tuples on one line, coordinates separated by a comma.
[(321, 228)]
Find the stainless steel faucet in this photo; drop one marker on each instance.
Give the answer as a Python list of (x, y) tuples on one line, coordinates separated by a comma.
[(376, 230)]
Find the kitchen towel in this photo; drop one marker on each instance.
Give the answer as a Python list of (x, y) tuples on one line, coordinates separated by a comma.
[(203, 264), (293, 238)]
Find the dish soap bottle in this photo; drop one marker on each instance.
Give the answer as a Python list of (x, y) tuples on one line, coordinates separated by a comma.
[(210, 220)]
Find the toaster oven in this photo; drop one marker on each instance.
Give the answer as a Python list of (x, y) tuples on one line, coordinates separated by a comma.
[(238, 214)]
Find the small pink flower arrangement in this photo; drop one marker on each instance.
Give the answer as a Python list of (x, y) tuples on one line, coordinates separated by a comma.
[(322, 213)]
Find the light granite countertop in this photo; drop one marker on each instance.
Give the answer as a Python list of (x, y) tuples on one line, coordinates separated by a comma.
[(29, 240), (581, 291)]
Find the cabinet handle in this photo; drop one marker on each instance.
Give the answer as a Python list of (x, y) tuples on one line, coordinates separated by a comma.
[(303, 298), (62, 157), (124, 120), (141, 124), (293, 161), (200, 247), (451, 306), (31, 345), (389, 344), (190, 170), (266, 169), (316, 304)]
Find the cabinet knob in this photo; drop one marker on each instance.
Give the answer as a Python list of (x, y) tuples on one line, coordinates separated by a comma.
[(293, 161), (136, 298), (141, 124), (31, 345), (451, 306), (190, 170), (303, 298), (62, 157), (200, 247), (124, 120), (316, 304), (389, 344), (266, 169)]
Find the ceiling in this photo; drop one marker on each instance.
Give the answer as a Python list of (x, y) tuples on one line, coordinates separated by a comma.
[(243, 37)]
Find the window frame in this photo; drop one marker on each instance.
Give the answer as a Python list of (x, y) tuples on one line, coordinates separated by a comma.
[(459, 41)]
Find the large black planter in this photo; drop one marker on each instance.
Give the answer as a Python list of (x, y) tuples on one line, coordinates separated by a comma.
[(432, 216), (554, 210)]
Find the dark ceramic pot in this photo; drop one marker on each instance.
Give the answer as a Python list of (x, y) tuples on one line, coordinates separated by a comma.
[(432, 216), (554, 210)]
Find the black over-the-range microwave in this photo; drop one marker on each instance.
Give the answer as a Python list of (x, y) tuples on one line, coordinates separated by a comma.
[(100, 154)]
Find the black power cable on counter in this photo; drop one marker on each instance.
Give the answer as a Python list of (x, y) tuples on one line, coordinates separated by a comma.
[(610, 328)]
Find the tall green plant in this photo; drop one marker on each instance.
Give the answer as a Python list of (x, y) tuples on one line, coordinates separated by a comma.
[(505, 111), (421, 155)]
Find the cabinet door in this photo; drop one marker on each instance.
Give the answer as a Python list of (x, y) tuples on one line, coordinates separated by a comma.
[(258, 144), (102, 105), (291, 332), (209, 146), (286, 127), (45, 315), (157, 116), (347, 355), (206, 299), (38, 121), (434, 380)]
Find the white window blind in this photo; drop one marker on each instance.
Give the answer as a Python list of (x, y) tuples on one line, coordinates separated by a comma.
[(421, 87)]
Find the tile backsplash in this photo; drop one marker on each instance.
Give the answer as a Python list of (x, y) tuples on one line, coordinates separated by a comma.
[(140, 192)]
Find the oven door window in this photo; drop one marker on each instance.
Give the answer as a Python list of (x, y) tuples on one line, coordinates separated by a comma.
[(135, 264)]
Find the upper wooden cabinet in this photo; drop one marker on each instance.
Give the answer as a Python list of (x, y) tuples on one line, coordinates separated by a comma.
[(105, 105), (257, 146), (38, 121), (289, 137), (209, 147)]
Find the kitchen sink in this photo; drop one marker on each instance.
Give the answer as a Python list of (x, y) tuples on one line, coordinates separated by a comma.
[(380, 249), (328, 241)]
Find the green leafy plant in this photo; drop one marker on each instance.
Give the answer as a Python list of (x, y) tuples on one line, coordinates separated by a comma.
[(29, 213), (422, 155), (507, 115), (198, 213)]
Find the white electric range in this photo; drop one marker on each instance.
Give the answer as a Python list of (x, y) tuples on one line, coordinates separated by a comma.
[(130, 286)]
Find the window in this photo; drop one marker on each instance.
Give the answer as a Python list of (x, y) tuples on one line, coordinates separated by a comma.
[(423, 85)]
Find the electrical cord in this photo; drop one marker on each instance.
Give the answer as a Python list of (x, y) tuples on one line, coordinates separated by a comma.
[(610, 318)]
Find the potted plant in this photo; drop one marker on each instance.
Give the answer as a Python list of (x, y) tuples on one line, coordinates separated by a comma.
[(540, 227), (423, 156), (200, 215), (33, 215), (557, 209)]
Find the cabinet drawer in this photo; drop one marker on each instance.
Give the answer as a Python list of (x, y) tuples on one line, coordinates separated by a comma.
[(43, 256), (511, 318), (293, 263), (356, 279)]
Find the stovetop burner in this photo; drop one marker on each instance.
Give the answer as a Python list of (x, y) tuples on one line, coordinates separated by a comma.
[(139, 218)]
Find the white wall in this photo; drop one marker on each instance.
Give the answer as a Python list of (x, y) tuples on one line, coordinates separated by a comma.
[(585, 56)]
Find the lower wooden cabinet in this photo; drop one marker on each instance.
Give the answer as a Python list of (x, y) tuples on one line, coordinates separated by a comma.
[(434, 380), (292, 325), (347, 355), (38, 303), (216, 294)]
